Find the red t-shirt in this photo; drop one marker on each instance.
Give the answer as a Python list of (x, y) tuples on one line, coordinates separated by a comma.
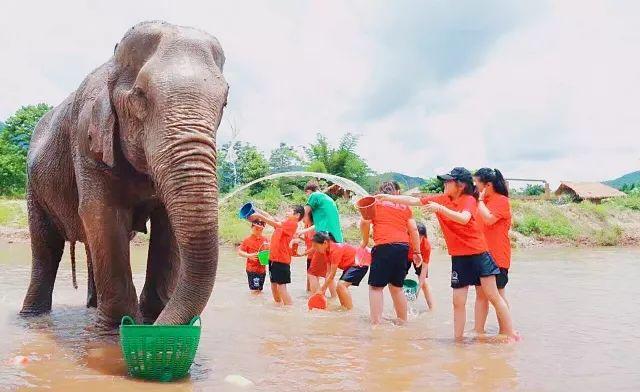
[(343, 255), (390, 223), (254, 244), (425, 250), (280, 240), (497, 234), (462, 240)]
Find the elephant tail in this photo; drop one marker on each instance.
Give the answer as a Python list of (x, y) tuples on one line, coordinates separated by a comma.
[(72, 250)]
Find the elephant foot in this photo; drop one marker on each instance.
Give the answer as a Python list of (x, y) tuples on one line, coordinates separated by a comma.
[(92, 300), (33, 310)]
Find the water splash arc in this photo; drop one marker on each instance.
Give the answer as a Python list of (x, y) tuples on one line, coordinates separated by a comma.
[(341, 181)]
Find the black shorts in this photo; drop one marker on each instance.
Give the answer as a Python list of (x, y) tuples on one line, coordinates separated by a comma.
[(279, 273), (503, 278), (388, 264), (418, 270), (354, 274), (308, 263), (256, 280), (467, 270)]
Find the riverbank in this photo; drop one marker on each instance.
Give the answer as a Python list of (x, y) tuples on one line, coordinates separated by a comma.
[(535, 223)]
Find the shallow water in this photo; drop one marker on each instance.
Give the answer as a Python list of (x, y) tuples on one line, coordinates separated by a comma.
[(576, 310)]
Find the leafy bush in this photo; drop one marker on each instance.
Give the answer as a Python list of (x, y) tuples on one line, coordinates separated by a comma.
[(433, 185), (552, 226), (609, 236), (599, 210), (631, 202)]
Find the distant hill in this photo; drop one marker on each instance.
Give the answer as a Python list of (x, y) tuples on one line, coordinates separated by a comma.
[(407, 182), (629, 178)]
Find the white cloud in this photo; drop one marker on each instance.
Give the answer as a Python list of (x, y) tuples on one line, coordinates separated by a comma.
[(553, 98)]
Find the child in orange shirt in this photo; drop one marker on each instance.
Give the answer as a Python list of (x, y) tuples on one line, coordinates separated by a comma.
[(423, 270), (316, 263), (249, 248), (280, 257)]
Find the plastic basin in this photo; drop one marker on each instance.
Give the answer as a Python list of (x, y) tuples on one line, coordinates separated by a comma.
[(317, 301), (159, 352), (410, 288)]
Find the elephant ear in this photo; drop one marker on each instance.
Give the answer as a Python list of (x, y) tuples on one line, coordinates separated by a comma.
[(98, 123)]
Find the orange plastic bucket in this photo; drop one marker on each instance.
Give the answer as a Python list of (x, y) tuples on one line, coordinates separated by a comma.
[(317, 301), (367, 207)]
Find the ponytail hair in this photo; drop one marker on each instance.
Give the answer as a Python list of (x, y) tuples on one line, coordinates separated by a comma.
[(323, 236), (495, 177)]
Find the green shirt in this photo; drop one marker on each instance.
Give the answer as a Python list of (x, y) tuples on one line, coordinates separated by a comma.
[(325, 214)]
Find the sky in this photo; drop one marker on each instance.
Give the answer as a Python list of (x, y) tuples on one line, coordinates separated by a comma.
[(544, 89)]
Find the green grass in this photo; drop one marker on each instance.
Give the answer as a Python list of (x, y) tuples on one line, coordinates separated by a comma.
[(600, 211), (627, 202), (555, 225), (13, 213)]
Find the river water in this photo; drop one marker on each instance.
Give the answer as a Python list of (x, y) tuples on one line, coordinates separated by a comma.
[(575, 308)]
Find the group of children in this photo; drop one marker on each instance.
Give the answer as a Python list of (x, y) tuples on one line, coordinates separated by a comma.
[(473, 213)]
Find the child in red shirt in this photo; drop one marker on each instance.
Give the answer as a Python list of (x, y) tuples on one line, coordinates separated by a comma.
[(280, 257), (249, 248), (342, 256), (423, 270), (316, 262), (471, 264)]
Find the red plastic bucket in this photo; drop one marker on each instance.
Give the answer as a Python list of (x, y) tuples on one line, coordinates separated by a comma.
[(317, 301), (367, 207)]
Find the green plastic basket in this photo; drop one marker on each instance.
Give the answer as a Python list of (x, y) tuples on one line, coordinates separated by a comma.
[(159, 352), (410, 288), (263, 257)]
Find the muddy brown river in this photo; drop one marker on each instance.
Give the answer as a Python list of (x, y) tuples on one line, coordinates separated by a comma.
[(576, 309)]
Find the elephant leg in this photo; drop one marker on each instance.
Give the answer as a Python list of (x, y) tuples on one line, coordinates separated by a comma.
[(163, 267), (92, 298), (107, 233), (47, 246)]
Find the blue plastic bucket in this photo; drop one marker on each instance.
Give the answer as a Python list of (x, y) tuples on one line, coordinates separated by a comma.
[(246, 211)]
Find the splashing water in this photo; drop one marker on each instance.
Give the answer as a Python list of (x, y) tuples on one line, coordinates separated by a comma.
[(341, 181)]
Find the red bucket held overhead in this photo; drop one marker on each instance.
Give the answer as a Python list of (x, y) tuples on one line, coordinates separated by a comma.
[(367, 207)]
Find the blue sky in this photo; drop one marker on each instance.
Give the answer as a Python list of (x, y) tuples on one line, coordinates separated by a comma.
[(539, 89)]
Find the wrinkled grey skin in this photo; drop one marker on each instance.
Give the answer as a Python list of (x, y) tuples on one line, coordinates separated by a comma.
[(135, 141)]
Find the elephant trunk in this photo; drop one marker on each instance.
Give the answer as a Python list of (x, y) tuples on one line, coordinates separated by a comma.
[(184, 169)]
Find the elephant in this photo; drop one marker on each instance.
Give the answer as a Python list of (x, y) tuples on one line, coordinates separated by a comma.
[(136, 142)]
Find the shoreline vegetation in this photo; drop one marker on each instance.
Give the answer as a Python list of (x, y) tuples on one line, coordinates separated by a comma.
[(536, 223)]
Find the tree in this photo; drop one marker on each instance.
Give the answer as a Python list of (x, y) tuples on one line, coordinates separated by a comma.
[(284, 158), (15, 136), (19, 127), (342, 161), (250, 165), (533, 190), (433, 185)]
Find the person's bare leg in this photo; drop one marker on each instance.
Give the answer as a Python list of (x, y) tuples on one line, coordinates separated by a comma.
[(426, 290), (459, 311), (344, 296), (276, 293), (314, 283), (502, 310), (399, 302), (332, 289), (503, 294), (376, 303), (481, 310), (284, 294)]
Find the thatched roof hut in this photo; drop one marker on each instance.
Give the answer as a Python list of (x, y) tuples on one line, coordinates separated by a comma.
[(592, 191)]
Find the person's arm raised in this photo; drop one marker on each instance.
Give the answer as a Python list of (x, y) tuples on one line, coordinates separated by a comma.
[(399, 199), (265, 217), (462, 217)]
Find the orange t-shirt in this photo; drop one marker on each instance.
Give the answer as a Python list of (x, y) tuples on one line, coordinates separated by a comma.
[(390, 223), (280, 240), (342, 255), (497, 234), (462, 240), (254, 244), (425, 250)]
